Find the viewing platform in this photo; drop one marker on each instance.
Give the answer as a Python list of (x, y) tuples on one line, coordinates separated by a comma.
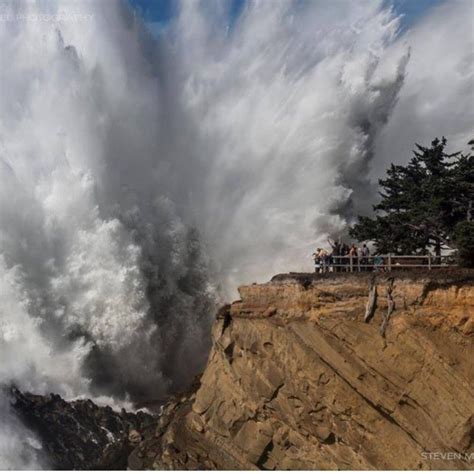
[(385, 263)]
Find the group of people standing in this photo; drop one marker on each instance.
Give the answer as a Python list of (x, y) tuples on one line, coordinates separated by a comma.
[(341, 257)]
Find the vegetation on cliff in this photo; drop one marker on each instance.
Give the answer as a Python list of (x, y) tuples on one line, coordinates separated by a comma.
[(427, 204)]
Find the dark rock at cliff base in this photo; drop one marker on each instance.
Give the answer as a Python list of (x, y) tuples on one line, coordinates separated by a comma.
[(80, 434)]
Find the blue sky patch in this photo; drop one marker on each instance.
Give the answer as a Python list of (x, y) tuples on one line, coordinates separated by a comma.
[(158, 13)]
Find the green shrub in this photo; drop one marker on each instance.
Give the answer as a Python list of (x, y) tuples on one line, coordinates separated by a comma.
[(464, 240)]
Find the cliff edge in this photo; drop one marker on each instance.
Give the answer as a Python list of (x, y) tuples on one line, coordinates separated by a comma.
[(340, 371)]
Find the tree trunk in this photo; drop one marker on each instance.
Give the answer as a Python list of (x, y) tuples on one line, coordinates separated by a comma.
[(438, 247), (372, 301)]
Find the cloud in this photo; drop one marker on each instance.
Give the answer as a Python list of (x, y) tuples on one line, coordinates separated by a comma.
[(438, 96)]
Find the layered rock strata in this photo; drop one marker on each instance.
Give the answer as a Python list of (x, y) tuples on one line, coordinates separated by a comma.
[(330, 372)]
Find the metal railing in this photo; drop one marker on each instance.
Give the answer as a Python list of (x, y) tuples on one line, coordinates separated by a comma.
[(383, 263)]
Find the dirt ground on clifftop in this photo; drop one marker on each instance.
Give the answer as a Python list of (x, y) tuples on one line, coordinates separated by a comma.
[(439, 274)]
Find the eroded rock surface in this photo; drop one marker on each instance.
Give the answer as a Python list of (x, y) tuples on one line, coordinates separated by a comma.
[(297, 380), (80, 434)]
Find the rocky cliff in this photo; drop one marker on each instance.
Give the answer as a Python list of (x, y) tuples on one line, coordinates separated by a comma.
[(330, 372), (80, 434)]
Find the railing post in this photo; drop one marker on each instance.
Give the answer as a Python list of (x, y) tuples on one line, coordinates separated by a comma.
[(358, 263), (389, 262), (352, 268), (429, 261)]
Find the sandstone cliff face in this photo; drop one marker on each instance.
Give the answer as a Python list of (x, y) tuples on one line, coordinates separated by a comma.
[(297, 379)]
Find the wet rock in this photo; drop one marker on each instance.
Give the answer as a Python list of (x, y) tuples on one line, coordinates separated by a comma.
[(80, 434), (134, 437)]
